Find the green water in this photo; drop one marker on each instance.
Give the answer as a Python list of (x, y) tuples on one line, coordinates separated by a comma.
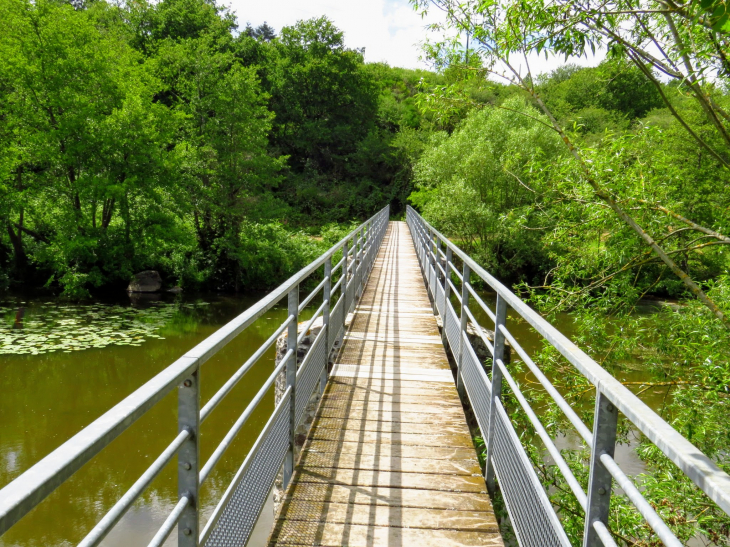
[(62, 366)]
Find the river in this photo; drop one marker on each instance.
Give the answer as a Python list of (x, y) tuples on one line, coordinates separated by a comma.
[(63, 365)]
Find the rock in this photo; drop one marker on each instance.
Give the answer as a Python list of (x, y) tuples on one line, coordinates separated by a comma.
[(147, 281), (175, 290)]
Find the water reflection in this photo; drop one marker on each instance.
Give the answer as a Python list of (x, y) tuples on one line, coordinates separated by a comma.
[(115, 347)]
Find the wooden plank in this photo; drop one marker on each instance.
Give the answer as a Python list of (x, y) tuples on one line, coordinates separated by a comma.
[(414, 481), (389, 450), (391, 496), (327, 534), (389, 459), (380, 515), (420, 438)]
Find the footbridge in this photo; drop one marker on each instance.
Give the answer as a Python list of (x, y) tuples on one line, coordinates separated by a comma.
[(389, 458)]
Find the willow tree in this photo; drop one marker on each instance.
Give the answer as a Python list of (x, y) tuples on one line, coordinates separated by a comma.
[(664, 39)]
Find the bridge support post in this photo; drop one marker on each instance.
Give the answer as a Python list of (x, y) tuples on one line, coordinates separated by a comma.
[(188, 460), (462, 328), (599, 483), (433, 250), (291, 381), (326, 320), (447, 294), (498, 355), (358, 266), (343, 285)]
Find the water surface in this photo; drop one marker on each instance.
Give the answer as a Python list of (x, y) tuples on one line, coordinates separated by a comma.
[(64, 365)]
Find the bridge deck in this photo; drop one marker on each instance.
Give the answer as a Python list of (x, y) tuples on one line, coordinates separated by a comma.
[(389, 459)]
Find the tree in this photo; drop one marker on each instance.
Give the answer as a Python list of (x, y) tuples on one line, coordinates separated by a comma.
[(74, 98), (509, 31), (223, 145), (263, 32), (324, 101)]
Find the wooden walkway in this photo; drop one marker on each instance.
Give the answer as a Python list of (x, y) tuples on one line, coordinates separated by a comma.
[(389, 459)]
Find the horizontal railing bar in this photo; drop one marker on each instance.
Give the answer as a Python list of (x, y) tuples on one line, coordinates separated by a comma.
[(443, 271), (441, 252), (243, 418), (311, 295), (583, 430), (702, 470), (454, 291), (478, 330), (99, 532), (33, 486), (337, 286), (484, 306), (225, 334), (603, 534), (643, 506), (311, 321), (250, 362), (545, 437), (456, 272), (169, 523), (242, 470), (340, 263)]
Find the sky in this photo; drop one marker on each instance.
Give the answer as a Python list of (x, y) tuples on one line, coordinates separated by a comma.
[(389, 30)]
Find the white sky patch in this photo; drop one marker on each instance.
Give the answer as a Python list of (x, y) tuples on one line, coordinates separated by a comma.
[(389, 30)]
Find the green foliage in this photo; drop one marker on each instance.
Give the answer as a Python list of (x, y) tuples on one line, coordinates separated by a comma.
[(140, 135), (651, 150), (477, 188)]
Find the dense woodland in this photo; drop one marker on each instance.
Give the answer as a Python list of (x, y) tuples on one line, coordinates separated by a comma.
[(165, 135)]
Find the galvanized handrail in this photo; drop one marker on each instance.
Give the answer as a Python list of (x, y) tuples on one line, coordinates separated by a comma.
[(274, 445), (534, 520)]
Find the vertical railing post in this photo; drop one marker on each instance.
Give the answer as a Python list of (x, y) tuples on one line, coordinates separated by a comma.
[(434, 244), (291, 381), (447, 295), (599, 482), (343, 285), (466, 272), (428, 243), (498, 355), (358, 264), (366, 253), (326, 320), (188, 461)]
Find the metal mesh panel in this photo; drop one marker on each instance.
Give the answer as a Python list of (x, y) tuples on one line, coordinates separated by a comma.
[(452, 324), (440, 298), (309, 373), (336, 322), (477, 384), (259, 471), (350, 295), (532, 516)]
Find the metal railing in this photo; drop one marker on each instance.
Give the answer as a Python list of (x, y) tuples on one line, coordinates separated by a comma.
[(236, 513), (531, 513)]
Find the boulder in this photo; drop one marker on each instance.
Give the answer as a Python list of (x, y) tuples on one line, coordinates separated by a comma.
[(175, 290), (147, 281)]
